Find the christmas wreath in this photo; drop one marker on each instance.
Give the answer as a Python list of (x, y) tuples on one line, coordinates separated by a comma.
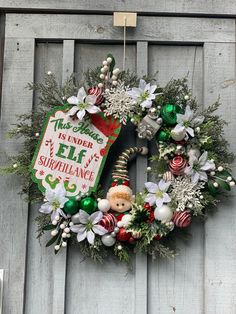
[(69, 137)]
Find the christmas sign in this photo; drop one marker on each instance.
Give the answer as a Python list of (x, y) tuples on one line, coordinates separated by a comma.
[(73, 151)]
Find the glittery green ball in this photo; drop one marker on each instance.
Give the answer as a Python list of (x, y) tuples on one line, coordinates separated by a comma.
[(71, 207), (168, 113), (88, 204), (163, 136)]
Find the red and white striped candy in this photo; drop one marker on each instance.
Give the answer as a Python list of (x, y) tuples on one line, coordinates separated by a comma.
[(97, 91), (108, 222), (177, 165), (182, 219)]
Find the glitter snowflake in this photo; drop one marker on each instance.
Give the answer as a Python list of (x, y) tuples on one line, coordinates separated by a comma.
[(118, 103), (186, 194)]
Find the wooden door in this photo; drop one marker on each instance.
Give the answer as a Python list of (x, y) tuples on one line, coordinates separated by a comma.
[(201, 279)]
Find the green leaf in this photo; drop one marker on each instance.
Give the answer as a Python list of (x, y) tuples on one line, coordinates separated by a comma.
[(52, 240), (48, 227)]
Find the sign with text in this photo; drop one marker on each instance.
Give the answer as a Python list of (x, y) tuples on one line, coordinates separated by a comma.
[(73, 151)]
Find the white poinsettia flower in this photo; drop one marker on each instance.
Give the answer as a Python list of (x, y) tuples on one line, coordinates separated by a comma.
[(198, 167), (186, 122), (88, 226), (144, 94), (55, 200), (157, 193), (83, 103)]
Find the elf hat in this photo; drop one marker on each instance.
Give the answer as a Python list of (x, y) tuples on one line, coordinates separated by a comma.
[(120, 174)]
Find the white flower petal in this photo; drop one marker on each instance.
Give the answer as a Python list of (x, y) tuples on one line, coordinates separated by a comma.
[(60, 190), (203, 176), (96, 217), (81, 94), (188, 114), (45, 208), (163, 185), (54, 215), (73, 100), (190, 131), (152, 89), (159, 202), (209, 165), (83, 216), (151, 187), (60, 212), (81, 236), (195, 177), (91, 99), (93, 109), (50, 195), (150, 199), (147, 87), (90, 237), (78, 228), (81, 114), (72, 111), (166, 198), (142, 84), (203, 158), (99, 230), (146, 104)]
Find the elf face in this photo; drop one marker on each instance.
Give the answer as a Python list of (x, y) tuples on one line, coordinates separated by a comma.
[(120, 198), (120, 205)]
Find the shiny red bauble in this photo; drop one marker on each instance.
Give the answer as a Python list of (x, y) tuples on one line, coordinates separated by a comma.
[(182, 219), (123, 235)]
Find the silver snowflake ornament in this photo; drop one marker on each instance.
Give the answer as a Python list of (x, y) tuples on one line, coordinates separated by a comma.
[(118, 103)]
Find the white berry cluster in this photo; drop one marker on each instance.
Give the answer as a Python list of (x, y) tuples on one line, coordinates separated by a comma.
[(106, 76)]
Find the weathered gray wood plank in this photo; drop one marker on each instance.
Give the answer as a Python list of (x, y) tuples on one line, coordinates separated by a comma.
[(59, 282), (141, 280), (44, 281), (99, 27), (93, 288), (177, 285), (220, 245), (203, 7), (18, 70)]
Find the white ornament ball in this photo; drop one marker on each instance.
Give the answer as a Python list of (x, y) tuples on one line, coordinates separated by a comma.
[(109, 60), (116, 71), (102, 76), (114, 83), (212, 173), (76, 218), (229, 178), (104, 205), (163, 213), (105, 68), (114, 77), (220, 168), (54, 232), (116, 230), (54, 222), (57, 218), (62, 226), (57, 247), (104, 62), (119, 247), (49, 73), (149, 168), (71, 224), (113, 234), (15, 166), (64, 235), (37, 134), (108, 240), (186, 97), (178, 136), (68, 235), (64, 244), (215, 184), (67, 230), (120, 224), (126, 220), (100, 85), (232, 183)]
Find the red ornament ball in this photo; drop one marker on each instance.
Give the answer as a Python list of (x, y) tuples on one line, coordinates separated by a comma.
[(182, 219), (108, 222), (97, 91), (177, 165), (122, 235)]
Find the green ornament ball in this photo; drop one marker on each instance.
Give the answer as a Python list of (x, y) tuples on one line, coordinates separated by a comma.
[(88, 204), (163, 136), (71, 207), (169, 113)]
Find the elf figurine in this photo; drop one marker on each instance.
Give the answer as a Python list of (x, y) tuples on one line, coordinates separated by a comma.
[(120, 196)]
